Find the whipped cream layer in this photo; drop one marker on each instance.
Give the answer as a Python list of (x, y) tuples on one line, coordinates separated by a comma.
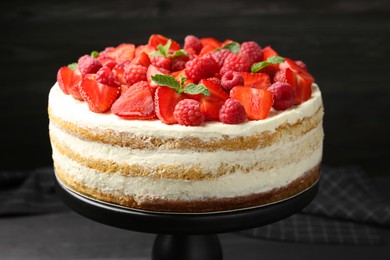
[(77, 112)]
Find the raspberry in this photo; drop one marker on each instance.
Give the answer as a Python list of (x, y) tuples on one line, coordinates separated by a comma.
[(235, 62), (201, 67), (105, 76), (161, 62), (280, 76), (220, 56), (232, 112), (187, 112), (179, 63), (252, 50), (192, 42), (283, 94), (134, 73), (87, 64), (231, 79)]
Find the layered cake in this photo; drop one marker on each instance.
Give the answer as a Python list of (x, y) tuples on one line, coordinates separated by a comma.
[(205, 126)]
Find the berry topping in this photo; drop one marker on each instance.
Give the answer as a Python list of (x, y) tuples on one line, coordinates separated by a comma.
[(232, 112), (284, 95), (235, 62), (220, 56), (98, 96), (161, 62), (201, 67), (69, 81), (188, 113), (252, 50), (165, 100), (231, 79), (135, 73), (106, 76), (256, 80), (301, 64), (157, 39), (257, 102), (211, 104), (192, 42), (135, 103), (280, 76), (122, 53), (88, 64)]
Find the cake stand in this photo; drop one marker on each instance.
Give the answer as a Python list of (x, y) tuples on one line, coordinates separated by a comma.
[(184, 236)]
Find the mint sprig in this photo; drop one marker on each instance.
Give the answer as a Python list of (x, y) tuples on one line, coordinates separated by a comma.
[(232, 46), (163, 50), (271, 60), (94, 54), (170, 82), (73, 66)]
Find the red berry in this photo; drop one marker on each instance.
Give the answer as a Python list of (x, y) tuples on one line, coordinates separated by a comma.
[(88, 64), (256, 80), (165, 101), (301, 64), (106, 76), (201, 67), (232, 112), (69, 81), (220, 56), (252, 50), (284, 95), (157, 39), (192, 42), (161, 62), (121, 53), (231, 79), (134, 73), (142, 59), (235, 62), (135, 103), (187, 112), (280, 76)]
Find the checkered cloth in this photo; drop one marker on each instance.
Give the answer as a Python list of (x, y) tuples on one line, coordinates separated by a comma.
[(347, 210)]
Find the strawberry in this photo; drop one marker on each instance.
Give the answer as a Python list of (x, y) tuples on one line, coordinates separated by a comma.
[(256, 80), (210, 105), (135, 103), (151, 71), (269, 52), (99, 96), (69, 81), (165, 100), (157, 39), (144, 48), (299, 79), (257, 102), (142, 59), (121, 53), (211, 42)]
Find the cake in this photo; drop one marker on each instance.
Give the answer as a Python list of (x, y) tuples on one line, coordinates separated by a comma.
[(208, 127)]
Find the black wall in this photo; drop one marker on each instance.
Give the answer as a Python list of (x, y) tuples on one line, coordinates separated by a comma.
[(346, 45)]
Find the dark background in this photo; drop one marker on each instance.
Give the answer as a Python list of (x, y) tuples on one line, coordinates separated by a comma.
[(345, 43)]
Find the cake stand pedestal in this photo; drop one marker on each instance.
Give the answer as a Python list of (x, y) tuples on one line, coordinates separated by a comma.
[(184, 236)]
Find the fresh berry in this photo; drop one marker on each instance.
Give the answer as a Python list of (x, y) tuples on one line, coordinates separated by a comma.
[(99, 96), (284, 95), (299, 79), (121, 53), (280, 76), (135, 73), (220, 56), (135, 103), (142, 59), (192, 42), (157, 39), (161, 62), (252, 50), (201, 67), (301, 64), (232, 112), (88, 65), (211, 42), (69, 81), (256, 80), (165, 100), (188, 113), (210, 105), (107, 77), (151, 71), (257, 102), (179, 63), (235, 62), (107, 62), (269, 52), (144, 48), (231, 79)]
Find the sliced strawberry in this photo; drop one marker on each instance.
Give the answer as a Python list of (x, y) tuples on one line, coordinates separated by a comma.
[(144, 48), (119, 74), (210, 105), (299, 79), (153, 70), (256, 80), (157, 39), (269, 52), (121, 53), (69, 81), (135, 103), (142, 59), (165, 100), (257, 102), (211, 41), (98, 96)]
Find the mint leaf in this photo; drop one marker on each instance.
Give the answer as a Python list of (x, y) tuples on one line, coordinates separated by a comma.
[(164, 49), (271, 60), (232, 46), (94, 54), (194, 89), (179, 53), (167, 81), (73, 66)]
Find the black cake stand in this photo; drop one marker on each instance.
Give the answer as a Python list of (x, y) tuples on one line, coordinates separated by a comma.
[(184, 236)]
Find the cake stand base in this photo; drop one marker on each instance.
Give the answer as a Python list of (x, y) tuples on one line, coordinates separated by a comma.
[(184, 236)]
